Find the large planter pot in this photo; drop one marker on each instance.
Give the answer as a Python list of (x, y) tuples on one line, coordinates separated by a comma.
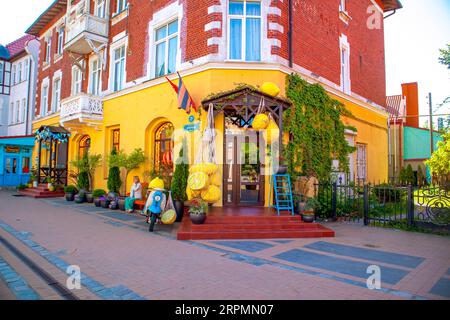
[(97, 202), (70, 196), (179, 209), (113, 205), (121, 203), (198, 218), (308, 218), (89, 197), (80, 198), (104, 203)]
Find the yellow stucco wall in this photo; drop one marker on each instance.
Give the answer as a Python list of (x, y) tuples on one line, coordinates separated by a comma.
[(138, 114)]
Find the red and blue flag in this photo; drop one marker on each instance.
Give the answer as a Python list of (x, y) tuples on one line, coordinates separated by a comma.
[(185, 100)]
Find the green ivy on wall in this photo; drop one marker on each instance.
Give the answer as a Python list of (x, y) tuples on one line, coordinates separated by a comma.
[(317, 133)]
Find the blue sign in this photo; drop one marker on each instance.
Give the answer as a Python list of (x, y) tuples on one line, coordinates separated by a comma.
[(191, 127), (191, 118)]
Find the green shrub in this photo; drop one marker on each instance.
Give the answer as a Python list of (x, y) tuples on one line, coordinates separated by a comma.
[(83, 180), (114, 181), (98, 193), (180, 177), (21, 187), (387, 193), (70, 189)]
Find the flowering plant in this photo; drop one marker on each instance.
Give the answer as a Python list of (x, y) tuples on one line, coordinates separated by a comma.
[(198, 206)]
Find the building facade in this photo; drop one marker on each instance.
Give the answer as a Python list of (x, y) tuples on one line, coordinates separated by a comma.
[(103, 64), (18, 76)]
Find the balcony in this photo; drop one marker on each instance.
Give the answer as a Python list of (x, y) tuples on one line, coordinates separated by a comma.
[(81, 109), (86, 32)]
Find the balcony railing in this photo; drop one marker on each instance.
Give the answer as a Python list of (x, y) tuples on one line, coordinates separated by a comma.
[(82, 108), (83, 28)]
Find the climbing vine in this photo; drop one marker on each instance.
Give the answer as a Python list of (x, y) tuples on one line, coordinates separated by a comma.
[(317, 133)]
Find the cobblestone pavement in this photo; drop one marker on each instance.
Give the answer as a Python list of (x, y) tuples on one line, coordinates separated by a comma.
[(119, 259)]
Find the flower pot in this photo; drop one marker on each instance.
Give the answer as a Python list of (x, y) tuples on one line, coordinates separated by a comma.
[(121, 203), (308, 218), (35, 184), (51, 188), (113, 205), (70, 196), (179, 209), (282, 169), (79, 198), (97, 202), (198, 218), (49, 185), (104, 203), (89, 197)]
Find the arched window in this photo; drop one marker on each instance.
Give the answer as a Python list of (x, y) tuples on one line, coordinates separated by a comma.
[(83, 146), (164, 147)]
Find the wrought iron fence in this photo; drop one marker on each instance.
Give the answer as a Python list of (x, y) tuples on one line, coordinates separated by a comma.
[(382, 204)]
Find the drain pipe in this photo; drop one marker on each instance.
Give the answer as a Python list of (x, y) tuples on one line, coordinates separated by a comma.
[(290, 33)]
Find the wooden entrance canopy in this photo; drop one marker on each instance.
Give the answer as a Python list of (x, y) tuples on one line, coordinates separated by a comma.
[(55, 139)]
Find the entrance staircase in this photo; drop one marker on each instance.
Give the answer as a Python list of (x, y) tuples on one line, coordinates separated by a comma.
[(41, 192), (251, 227)]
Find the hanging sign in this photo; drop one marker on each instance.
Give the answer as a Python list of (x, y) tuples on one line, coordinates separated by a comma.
[(10, 149), (191, 127)]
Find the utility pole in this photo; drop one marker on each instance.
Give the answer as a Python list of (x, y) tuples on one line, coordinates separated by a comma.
[(430, 104)]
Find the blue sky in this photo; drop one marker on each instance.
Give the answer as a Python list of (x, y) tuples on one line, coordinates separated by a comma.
[(413, 36)]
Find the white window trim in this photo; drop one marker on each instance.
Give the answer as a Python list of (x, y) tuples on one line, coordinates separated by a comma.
[(163, 16), (243, 17), (72, 86), (44, 108), (24, 110), (125, 8), (116, 45), (93, 59), (57, 75), (105, 8), (11, 113), (343, 44)]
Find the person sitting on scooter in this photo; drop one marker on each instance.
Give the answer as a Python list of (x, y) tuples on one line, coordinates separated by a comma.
[(154, 206), (135, 194)]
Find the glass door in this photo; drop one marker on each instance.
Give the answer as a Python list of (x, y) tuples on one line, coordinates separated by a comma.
[(11, 171)]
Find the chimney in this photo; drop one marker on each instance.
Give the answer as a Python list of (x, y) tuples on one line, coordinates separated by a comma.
[(410, 91)]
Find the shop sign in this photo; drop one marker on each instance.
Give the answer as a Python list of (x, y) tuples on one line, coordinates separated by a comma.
[(191, 127), (10, 149)]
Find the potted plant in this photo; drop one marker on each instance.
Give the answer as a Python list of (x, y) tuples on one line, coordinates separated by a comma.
[(80, 197), (310, 206), (97, 194), (198, 210), (128, 162), (34, 177), (49, 182), (85, 172), (179, 184), (70, 192), (21, 187)]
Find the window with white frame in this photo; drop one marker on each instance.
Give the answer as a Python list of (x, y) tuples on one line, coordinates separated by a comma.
[(361, 161), (24, 109), (17, 120), (121, 5), (95, 77), (19, 73), (13, 75), (60, 41), (27, 69), (77, 79), (119, 68), (44, 100), (100, 8), (244, 30), (48, 48), (345, 67), (56, 96), (166, 48)]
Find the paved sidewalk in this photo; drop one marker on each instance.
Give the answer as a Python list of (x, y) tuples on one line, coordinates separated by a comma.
[(118, 258)]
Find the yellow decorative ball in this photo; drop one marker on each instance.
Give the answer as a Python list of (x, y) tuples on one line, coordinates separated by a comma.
[(260, 122), (216, 179), (272, 132), (211, 194), (198, 181), (156, 183), (191, 194), (169, 217), (210, 168), (270, 88)]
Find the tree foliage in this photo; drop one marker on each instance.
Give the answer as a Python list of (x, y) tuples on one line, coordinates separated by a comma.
[(439, 162), (180, 177), (445, 56), (126, 161), (316, 129), (86, 167), (114, 180)]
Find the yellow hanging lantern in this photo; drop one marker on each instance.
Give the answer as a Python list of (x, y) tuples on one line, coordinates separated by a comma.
[(198, 181), (156, 183), (169, 217), (272, 132), (260, 122), (216, 179), (211, 194), (270, 88)]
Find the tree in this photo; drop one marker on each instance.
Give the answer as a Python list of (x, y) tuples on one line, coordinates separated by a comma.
[(127, 162), (421, 179), (445, 56), (439, 162), (316, 130), (409, 175), (180, 177), (86, 167), (114, 181)]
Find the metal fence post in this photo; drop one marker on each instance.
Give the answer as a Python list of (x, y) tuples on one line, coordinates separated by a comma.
[(334, 201), (366, 204), (410, 205)]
